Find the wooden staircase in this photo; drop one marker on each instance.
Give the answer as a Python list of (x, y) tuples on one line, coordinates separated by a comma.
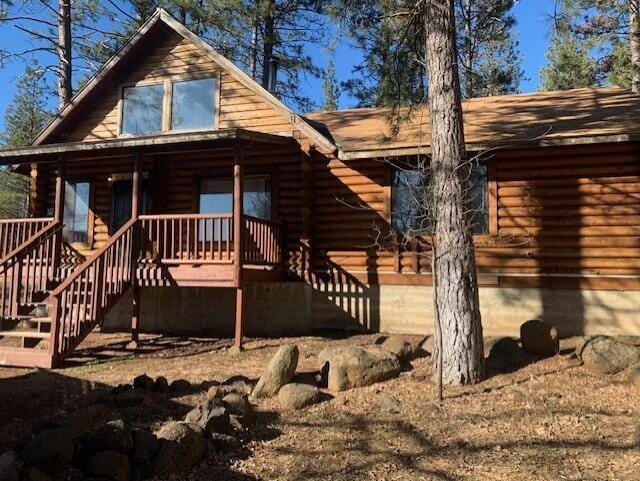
[(47, 306)]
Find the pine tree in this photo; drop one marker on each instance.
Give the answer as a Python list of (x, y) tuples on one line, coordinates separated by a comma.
[(394, 50), (24, 118), (488, 56), (569, 64), (330, 88), (27, 114)]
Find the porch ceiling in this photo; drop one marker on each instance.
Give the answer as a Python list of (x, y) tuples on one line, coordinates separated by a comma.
[(157, 144)]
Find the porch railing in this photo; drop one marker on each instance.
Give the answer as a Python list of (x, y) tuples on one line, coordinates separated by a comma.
[(29, 268), (82, 300), (15, 232), (187, 238), (262, 241)]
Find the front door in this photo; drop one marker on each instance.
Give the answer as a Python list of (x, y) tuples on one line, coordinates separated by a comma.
[(120, 203)]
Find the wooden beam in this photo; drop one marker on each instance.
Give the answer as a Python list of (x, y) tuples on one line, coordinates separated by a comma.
[(135, 189), (58, 208), (238, 242)]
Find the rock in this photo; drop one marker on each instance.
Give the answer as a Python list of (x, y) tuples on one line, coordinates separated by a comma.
[(182, 446), (428, 344), (388, 404), (633, 375), (145, 447), (49, 451), (241, 384), (211, 415), (128, 398), (46, 425), (297, 396), (278, 372), (604, 355), (324, 356), (506, 354), (73, 474), (144, 382), (539, 338), (224, 442), (636, 436), (111, 465), (112, 436), (360, 366), (181, 386), (10, 466), (34, 474), (162, 385), (87, 418), (240, 411), (404, 349)]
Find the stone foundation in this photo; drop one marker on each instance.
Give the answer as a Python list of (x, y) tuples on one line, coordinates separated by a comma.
[(290, 308)]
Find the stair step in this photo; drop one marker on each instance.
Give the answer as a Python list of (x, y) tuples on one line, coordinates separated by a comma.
[(25, 333), (20, 357)]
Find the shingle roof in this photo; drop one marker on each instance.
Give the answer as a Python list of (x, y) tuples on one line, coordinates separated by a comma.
[(511, 121)]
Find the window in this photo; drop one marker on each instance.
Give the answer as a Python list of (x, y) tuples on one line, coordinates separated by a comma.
[(216, 196), (193, 104), (142, 109), (409, 201), (76, 211)]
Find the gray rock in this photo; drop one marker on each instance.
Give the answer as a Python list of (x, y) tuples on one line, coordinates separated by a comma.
[(406, 350), (604, 355), (46, 425), (361, 366), (240, 410), (210, 415), (34, 474), (633, 375), (181, 386), (88, 418), (114, 436), (10, 466), (144, 382), (224, 442), (111, 465), (50, 451), (539, 338), (182, 446), (297, 396), (278, 372), (388, 404), (162, 385), (145, 447), (241, 384), (506, 354)]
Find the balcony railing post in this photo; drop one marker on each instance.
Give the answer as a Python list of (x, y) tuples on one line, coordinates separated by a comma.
[(135, 248)]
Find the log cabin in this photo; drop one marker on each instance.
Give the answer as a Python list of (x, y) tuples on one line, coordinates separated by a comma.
[(175, 194)]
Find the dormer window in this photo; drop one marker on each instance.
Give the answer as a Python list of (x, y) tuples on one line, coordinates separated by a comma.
[(193, 104), (169, 106), (142, 109)]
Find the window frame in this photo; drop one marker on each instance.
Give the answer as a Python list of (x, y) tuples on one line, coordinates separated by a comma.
[(167, 85), (492, 207), (88, 244)]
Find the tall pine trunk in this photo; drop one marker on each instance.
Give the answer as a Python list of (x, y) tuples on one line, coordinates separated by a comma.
[(64, 52), (634, 44), (268, 41), (456, 287)]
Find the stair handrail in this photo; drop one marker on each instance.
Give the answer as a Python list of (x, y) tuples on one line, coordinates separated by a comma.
[(101, 297), (19, 230), (18, 285), (31, 242)]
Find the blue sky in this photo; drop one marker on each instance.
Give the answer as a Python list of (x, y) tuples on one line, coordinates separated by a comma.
[(532, 27)]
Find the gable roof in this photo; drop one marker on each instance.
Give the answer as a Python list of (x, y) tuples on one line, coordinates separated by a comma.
[(512, 121), (160, 16)]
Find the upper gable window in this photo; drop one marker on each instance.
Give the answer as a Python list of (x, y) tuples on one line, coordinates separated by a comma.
[(142, 109), (193, 104)]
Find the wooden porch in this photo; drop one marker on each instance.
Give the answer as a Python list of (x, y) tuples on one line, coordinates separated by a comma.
[(50, 302)]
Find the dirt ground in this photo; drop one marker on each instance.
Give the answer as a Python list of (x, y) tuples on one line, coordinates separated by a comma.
[(551, 420)]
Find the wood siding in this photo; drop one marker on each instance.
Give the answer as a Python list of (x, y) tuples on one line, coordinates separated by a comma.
[(170, 56), (563, 217)]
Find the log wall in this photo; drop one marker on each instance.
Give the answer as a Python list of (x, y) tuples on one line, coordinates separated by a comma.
[(167, 55)]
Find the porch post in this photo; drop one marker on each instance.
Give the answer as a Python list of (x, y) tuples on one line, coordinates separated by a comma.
[(238, 242), (58, 207), (135, 212)]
